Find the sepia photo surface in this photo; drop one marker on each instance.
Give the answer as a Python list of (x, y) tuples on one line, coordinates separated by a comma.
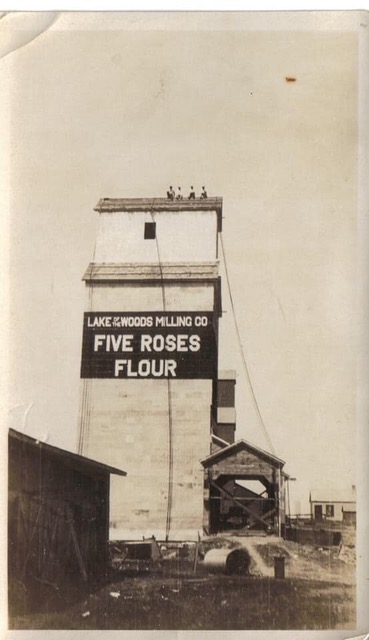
[(186, 422)]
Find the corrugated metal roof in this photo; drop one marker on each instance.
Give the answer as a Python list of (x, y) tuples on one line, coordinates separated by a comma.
[(72, 458)]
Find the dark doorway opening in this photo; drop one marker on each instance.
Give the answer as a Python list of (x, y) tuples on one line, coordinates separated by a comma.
[(318, 512)]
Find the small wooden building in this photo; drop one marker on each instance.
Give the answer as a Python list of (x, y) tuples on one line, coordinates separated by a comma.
[(349, 514), (230, 503), (58, 516), (339, 507)]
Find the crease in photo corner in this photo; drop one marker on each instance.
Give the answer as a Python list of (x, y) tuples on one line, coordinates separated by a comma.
[(17, 30)]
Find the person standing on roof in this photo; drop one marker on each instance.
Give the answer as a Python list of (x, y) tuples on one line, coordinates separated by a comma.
[(192, 195), (171, 193), (179, 194), (204, 193)]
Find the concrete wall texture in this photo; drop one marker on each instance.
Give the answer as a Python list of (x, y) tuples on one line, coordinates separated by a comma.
[(158, 430), (186, 235), (129, 427)]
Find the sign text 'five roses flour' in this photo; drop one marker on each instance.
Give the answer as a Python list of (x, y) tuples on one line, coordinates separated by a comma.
[(148, 345)]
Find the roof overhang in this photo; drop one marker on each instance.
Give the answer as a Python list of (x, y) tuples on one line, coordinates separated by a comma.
[(70, 458), (130, 205)]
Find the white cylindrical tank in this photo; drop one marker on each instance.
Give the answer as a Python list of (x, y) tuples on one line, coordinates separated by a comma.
[(232, 561)]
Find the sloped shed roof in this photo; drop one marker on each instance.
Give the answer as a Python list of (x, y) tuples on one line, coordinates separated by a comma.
[(240, 445), (74, 460)]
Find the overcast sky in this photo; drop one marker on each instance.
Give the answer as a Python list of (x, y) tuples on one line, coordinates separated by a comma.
[(125, 106)]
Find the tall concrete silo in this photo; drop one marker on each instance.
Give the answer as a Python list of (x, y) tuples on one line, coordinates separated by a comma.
[(149, 359)]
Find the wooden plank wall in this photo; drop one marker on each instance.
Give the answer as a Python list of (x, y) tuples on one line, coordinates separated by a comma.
[(58, 519)]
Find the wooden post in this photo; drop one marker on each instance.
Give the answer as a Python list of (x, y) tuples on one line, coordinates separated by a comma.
[(196, 553)]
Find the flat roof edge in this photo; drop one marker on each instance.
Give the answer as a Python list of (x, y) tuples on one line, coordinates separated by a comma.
[(130, 205)]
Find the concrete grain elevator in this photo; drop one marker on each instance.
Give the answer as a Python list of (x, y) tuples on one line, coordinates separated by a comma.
[(149, 359)]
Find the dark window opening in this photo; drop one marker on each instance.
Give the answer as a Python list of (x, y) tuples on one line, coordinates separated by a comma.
[(329, 510), (150, 231)]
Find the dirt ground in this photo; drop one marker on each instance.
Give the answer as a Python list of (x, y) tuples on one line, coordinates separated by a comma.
[(304, 561), (318, 592)]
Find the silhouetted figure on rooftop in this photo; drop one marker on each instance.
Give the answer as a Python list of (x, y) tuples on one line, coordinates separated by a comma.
[(204, 193), (171, 194), (192, 195)]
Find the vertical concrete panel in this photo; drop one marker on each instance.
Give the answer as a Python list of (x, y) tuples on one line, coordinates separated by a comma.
[(129, 428), (191, 443)]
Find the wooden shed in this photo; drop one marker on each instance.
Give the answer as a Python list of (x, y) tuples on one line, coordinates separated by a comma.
[(231, 499), (58, 516)]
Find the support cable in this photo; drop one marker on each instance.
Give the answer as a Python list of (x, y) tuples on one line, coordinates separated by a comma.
[(170, 415), (248, 378), (86, 382)]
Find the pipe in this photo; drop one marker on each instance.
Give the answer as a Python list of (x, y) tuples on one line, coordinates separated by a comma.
[(231, 561)]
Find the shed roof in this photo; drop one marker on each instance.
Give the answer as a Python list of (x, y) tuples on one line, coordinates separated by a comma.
[(238, 446), (72, 459)]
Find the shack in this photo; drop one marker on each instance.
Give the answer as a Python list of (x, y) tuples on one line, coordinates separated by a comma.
[(58, 518), (337, 507)]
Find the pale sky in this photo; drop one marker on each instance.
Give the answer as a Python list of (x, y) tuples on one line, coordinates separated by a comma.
[(126, 110)]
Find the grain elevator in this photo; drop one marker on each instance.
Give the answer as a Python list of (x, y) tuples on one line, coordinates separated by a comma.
[(152, 399), (149, 359)]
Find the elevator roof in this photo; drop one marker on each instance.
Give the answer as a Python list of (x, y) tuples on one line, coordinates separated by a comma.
[(111, 205)]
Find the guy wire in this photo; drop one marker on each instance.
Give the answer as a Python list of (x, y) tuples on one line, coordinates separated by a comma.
[(248, 377)]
